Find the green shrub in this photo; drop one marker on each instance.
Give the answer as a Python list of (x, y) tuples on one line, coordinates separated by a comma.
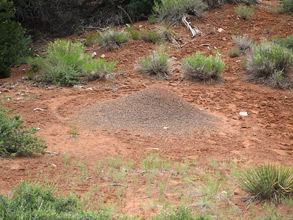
[(66, 62), (112, 39), (244, 11), (288, 6), (135, 34), (156, 64), (173, 10), (268, 182), (271, 64), (234, 52), (13, 43), (33, 201), (285, 42), (243, 43), (152, 37), (16, 141), (198, 67)]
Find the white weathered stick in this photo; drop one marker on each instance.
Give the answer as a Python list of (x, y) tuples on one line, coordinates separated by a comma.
[(195, 31)]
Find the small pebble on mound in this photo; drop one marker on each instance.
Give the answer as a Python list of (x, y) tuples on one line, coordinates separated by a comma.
[(151, 110)]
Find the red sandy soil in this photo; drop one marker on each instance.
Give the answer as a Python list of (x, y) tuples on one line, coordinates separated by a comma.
[(264, 136)]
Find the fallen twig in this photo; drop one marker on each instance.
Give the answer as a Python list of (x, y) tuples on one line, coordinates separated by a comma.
[(193, 29)]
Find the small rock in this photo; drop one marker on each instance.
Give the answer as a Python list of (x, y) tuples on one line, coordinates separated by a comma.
[(103, 56), (94, 54), (243, 114), (39, 109), (220, 30), (166, 128)]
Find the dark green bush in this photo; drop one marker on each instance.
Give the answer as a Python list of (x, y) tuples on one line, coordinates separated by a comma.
[(288, 6), (16, 141), (139, 9), (271, 64), (33, 201), (13, 43)]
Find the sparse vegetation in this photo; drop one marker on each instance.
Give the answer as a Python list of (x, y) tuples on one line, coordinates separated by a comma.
[(16, 140), (66, 62), (157, 64), (243, 43), (234, 52), (173, 10), (112, 39), (268, 182), (244, 12), (198, 67), (270, 63)]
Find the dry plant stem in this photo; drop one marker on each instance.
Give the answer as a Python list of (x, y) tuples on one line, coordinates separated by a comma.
[(129, 18), (189, 42), (193, 29)]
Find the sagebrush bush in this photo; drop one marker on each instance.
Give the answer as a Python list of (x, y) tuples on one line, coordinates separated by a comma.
[(66, 62), (244, 11), (157, 64), (13, 43), (243, 43), (285, 42), (98, 68), (173, 10), (16, 140), (112, 39), (152, 37), (271, 64), (198, 67), (268, 182), (34, 201)]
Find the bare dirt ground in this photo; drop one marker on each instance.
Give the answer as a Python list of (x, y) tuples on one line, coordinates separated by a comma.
[(264, 136)]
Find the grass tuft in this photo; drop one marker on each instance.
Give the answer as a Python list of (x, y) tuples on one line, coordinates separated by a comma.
[(112, 39)]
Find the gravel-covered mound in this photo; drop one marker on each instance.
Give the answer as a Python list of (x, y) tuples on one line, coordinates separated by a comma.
[(151, 110)]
